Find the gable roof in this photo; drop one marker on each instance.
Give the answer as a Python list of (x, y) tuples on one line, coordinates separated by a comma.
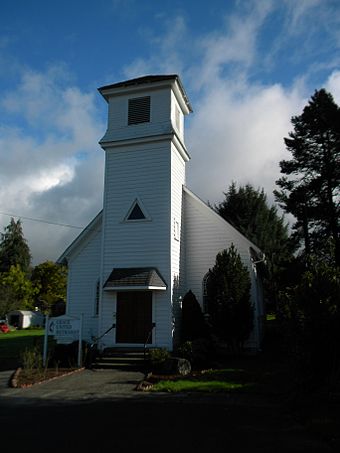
[(206, 208), (135, 278), (96, 224), (92, 226)]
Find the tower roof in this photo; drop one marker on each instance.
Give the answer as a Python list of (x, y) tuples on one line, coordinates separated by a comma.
[(144, 80)]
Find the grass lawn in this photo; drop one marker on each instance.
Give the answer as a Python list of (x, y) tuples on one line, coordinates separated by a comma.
[(13, 343), (212, 381)]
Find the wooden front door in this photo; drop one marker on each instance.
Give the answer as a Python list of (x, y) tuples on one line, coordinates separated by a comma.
[(134, 316)]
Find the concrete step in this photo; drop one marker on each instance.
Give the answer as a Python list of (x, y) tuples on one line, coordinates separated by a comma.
[(113, 358)]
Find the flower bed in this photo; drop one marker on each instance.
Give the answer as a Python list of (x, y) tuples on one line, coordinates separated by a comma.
[(26, 378)]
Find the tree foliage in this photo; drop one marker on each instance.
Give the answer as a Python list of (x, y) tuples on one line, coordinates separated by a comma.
[(14, 249), (16, 290), (50, 280), (310, 187), (310, 316), (248, 211), (228, 294)]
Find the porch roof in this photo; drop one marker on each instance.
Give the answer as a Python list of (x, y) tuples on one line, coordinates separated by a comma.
[(135, 278)]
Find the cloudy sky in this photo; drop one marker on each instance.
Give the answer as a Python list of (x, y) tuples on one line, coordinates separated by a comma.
[(248, 66)]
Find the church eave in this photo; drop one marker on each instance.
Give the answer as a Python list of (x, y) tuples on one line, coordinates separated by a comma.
[(90, 228), (153, 81), (107, 143)]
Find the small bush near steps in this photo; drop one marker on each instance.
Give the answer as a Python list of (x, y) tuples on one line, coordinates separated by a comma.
[(162, 362)]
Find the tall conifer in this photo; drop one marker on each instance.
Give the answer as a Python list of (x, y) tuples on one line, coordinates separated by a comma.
[(310, 189), (14, 249)]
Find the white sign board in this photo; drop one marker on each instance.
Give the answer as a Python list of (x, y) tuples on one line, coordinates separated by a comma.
[(64, 326), (65, 329)]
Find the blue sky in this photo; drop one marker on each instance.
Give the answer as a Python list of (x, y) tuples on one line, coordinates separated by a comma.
[(247, 67)]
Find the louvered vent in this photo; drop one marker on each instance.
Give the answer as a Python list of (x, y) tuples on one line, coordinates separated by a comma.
[(139, 110)]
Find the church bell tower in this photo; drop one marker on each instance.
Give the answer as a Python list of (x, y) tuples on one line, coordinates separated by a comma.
[(145, 158)]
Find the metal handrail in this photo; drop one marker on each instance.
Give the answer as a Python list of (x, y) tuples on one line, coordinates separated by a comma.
[(96, 339)]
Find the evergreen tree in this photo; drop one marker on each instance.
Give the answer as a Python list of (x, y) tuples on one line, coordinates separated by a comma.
[(248, 211), (228, 292), (310, 187), (14, 249)]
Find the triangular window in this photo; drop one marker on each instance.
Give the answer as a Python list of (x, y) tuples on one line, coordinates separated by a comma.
[(137, 212)]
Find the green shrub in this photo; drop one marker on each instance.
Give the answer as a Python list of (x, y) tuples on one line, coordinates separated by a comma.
[(229, 305), (66, 355), (198, 352), (185, 351), (158, 356), (32, 359)]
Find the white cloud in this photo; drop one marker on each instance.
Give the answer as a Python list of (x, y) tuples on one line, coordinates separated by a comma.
[(51, 161), (236, 132), (333, 86), (297, 12), (233, 45), (239, 137), (51, 166)]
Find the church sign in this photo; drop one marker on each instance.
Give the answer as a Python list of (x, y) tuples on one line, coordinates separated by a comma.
[(65, 330), (64, 327)]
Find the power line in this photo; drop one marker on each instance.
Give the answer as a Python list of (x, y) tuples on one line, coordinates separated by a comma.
[(41, 221)]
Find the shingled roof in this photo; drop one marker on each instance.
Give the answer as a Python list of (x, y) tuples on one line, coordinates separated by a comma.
[(148, 79), (135, 278), (140, 81)]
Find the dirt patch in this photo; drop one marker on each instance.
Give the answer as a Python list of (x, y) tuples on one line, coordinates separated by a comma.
[(27, 378)]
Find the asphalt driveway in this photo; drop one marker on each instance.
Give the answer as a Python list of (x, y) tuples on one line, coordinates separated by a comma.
[(100, 411), (80, 386)]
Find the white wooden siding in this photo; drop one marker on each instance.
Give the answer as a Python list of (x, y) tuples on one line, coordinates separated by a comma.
[(177, 182), (83, 274), (205, 235), (142, 171), (174, 105), (160, 116)]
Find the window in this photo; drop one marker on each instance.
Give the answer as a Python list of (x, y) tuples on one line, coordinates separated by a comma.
[(137, 212), (139, 110)]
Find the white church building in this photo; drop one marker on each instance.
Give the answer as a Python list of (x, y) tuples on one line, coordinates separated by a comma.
[(154, 239)]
